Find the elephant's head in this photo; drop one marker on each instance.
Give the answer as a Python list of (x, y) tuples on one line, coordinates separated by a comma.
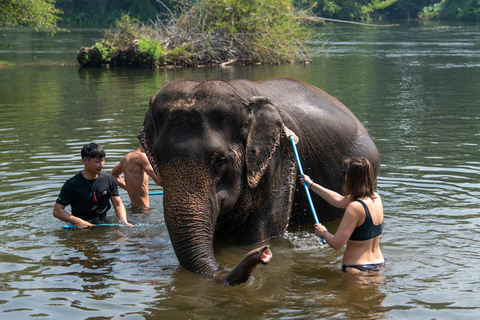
[(212, 148)]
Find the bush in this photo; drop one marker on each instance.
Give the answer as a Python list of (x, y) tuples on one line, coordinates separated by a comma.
[(460, 10), (217, 31), (105, 50), (150, 49)]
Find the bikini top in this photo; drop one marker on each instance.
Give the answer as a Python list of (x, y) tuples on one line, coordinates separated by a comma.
[(367, 230)]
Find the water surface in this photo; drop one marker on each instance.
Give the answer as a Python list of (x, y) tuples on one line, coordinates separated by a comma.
[(414, 87)]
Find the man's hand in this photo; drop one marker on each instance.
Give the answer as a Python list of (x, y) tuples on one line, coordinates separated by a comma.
[(82, 224)]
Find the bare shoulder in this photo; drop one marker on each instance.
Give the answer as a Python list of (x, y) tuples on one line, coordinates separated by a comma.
[(355, 205), (141, 157), (355, 209), (377, 202)]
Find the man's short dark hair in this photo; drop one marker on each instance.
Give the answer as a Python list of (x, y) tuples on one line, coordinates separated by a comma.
[(93, 150)]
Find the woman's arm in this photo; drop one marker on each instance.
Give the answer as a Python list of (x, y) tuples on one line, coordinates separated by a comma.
[(332, 197), (345, 229)]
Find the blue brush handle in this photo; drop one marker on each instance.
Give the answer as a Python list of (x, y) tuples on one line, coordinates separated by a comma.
[(72, 226), (309, 197), (155, 193)]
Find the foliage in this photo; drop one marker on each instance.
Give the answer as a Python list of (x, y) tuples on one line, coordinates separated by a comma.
[(405, 9), (267, 30), (217, 31), (106, 12), (350, 9), (431, 12), (460, 10), (40, 14), (150, 48), (126, 31), (457, 10), (105, 50)]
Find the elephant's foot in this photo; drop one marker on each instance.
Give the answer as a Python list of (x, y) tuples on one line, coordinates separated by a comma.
[(247, 266)]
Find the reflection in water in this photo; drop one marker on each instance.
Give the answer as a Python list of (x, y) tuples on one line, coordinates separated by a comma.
[(415, 88), (363, 293)]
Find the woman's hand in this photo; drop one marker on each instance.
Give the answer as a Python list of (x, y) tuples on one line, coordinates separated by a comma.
[(306, 179), (319, 230)]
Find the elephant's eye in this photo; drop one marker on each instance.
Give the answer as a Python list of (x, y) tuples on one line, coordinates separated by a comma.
[(221, 160), (220, 163)]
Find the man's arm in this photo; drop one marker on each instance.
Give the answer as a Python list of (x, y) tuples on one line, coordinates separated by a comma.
[(116, 172), (147, 167), (59, 212), (120, 209)]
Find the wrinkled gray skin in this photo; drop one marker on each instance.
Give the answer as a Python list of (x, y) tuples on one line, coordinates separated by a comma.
[(227, 167)]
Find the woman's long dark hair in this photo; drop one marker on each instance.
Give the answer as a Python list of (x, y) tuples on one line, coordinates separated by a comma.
[(360, 181)]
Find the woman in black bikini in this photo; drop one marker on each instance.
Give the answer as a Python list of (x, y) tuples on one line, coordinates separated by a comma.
[(362, 223)]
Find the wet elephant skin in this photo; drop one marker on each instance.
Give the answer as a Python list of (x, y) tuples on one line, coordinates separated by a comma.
[(228, 168)]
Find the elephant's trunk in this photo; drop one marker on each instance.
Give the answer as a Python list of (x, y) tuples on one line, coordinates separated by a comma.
[(190, 214), (192, 237)]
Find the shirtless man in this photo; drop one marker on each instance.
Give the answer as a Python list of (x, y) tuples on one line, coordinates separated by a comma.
[(136, 169)]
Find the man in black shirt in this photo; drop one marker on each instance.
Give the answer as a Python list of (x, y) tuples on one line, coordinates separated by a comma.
[(89, 192)]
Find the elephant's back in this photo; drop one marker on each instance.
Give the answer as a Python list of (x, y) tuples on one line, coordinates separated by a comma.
[(291, 95)]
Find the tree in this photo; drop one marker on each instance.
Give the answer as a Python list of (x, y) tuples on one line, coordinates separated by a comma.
[(347, 9), (39, 14), (460, 10)]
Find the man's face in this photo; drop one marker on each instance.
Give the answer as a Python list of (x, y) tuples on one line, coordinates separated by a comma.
[(94, 165)]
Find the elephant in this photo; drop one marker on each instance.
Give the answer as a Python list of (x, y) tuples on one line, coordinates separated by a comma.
[(228, 169)]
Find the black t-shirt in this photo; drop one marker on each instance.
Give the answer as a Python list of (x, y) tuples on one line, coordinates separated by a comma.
[(78, 193)]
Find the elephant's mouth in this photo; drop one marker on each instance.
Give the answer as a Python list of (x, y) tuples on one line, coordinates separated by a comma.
[(266, 255)]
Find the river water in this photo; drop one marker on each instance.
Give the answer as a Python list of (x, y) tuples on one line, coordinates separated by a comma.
[(416, 89)]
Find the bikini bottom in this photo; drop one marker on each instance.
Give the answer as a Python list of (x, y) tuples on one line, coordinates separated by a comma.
[(366, 267)]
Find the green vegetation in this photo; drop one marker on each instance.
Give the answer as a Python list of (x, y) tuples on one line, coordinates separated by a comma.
[(457, 10), (348, 9), (39, 14), (151, 49), (431, 12), (207, 32), (106, 12), (106, 52)]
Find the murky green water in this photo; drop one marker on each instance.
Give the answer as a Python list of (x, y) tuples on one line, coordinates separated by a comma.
[(415, 88)]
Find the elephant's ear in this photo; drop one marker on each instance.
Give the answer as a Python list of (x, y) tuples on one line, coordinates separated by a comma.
[(147, 138), (263, 138)]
